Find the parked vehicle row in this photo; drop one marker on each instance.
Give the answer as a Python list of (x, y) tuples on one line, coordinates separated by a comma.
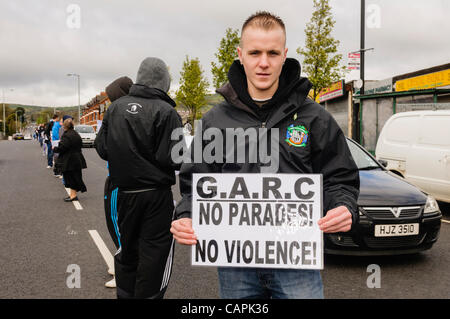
[(395, 217)]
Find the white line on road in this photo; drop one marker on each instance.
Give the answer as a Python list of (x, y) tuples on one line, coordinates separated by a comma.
[(106, 254), (75, 202)]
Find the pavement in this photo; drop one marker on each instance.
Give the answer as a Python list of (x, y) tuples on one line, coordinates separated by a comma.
[(43, 238)]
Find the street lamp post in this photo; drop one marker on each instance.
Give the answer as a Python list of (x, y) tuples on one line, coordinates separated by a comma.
[(79, 106)]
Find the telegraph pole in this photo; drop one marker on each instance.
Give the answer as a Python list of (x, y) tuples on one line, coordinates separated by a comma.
[(4, 112), (362, 46), (79, 105)]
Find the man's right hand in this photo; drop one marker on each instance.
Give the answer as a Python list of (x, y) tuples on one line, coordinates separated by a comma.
[(182, 231)]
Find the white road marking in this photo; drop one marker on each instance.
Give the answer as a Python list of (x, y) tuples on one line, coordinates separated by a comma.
[(75, 202), (106, 254)]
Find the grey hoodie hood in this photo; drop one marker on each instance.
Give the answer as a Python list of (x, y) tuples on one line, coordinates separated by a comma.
[(153, 73)]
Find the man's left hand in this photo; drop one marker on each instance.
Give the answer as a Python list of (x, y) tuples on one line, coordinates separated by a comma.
[(336, 220)]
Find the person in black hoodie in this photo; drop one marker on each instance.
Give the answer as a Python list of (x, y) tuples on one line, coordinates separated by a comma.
[(135, 139), (265, 90), (115, 90)]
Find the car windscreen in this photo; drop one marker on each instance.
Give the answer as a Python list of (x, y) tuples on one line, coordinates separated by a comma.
[(84, 129), (361, 158)]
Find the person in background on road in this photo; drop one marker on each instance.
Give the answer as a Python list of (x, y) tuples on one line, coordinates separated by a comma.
[(72, 160), (48, 140), (265, 87), (61, 132), (40, 133), (135, 139), (44, 146), (55, 141), (118, 88), (61, 129), (187, 128)]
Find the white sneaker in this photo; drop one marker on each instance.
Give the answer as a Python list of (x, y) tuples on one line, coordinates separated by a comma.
[(111, 283), (49, 167), (111, 271)]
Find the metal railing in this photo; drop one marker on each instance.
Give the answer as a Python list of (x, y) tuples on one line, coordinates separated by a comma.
[(408, 107)]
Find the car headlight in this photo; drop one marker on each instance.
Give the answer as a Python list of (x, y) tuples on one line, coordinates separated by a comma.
[(431, 206)]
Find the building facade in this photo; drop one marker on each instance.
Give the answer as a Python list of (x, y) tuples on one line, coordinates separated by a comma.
[(362, 117), (94, 110)]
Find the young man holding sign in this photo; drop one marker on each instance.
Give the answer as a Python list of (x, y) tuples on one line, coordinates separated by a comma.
[(265, 90)]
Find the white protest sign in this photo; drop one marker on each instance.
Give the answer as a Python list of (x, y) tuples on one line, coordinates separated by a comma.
[(257, 220)]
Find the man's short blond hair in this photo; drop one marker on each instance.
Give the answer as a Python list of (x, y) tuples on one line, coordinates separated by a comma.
[(263, 20)]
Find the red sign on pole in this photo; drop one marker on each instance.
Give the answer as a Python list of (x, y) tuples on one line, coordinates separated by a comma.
[(354, 61)]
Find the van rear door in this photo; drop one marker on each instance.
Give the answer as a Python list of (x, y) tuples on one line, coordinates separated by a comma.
[(428, 162), (395, 140)]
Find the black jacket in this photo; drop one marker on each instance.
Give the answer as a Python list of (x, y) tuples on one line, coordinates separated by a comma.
[(69, 148), (47, 129), (325, 151), (135, 139)]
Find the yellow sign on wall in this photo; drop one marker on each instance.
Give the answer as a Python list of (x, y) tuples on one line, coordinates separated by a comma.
[(423, 82), (333, 91)]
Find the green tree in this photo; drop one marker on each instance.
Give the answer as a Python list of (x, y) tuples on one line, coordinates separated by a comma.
[(20, 115), (11, 124), (15, 119), (321, 62), (45, 116), (225, 56), (193, 88), (7, 113)]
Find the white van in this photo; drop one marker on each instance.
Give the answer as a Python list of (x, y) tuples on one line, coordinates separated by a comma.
[(416, 145), (87, 134)]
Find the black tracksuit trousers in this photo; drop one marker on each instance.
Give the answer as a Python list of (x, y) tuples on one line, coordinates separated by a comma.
[(111, 203), (143, 263)]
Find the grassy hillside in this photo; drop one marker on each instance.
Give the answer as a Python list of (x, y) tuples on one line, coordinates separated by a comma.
[(35, 113)]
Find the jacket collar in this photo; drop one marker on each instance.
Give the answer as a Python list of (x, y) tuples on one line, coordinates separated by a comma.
[(150, 93), (230, 95)]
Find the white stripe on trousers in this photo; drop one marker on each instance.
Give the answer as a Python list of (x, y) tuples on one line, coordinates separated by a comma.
[(169, 261), (168, 269)]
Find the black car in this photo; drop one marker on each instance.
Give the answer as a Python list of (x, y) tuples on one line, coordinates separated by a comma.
[(18, 136), (395, 217)]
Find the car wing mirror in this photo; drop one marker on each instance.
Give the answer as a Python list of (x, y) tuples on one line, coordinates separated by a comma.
[(383, 163)]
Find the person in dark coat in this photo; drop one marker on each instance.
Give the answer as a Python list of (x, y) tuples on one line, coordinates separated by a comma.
[(265, 92), (118, 88), (71, 160), (135, 139)]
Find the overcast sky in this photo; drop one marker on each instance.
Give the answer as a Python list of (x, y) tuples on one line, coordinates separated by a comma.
[(40, 44)]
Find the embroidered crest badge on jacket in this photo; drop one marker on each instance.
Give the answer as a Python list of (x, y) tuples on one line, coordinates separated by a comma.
[(297, 135)]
